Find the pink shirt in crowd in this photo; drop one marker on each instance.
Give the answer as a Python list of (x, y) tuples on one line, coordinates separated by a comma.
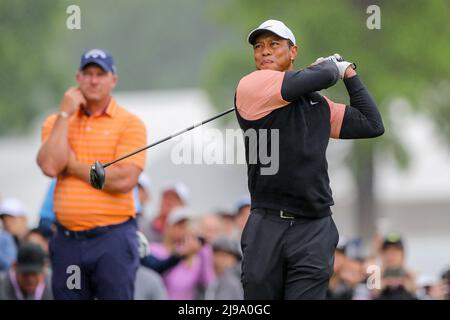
[(182, 280)]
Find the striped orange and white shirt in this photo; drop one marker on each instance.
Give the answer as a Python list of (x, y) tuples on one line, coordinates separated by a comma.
[(105, 137)]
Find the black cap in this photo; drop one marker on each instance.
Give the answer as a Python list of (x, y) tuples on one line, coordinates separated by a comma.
[(30, 258), (393, 240)]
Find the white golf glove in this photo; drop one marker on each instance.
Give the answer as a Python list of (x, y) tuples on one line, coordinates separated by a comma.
[(142, 244), (341, 64)]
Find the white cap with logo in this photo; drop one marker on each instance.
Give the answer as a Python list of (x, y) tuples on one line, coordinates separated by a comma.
[(274, 26)]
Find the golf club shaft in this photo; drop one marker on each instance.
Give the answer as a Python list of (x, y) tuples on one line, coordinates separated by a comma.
[(169, 137)]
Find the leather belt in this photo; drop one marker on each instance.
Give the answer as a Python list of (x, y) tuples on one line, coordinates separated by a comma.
[(91, 233), (278, 213)]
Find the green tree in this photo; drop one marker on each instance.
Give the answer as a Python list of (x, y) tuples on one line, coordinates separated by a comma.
[(159, 44), (28, 76), (407, 57)]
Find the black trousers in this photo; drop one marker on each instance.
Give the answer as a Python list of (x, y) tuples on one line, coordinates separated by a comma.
[(287, 258)]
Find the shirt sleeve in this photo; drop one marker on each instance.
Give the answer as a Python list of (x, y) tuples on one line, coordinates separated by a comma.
[(47, 206), (337, 111), (314, 78), (264, 91), (47, 127), (8, 250), (134, 137), (361, 119), (160, 265), (259, 93)]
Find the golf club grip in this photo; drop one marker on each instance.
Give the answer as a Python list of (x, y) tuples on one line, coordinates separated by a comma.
[(170, 137)]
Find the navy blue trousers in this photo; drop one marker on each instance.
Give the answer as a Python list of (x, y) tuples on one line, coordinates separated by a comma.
[(100, 267)]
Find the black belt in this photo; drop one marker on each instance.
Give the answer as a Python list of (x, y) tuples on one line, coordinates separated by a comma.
[(91, 233), (278, 213)]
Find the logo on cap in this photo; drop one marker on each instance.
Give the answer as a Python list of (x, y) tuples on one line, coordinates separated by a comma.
[(99, 57), (95, 53)]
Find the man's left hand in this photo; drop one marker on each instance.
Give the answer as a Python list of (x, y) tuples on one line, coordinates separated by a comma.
[(343, 66)]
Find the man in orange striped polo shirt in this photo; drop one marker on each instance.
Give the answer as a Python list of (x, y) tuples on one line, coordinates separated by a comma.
[(95, 251)]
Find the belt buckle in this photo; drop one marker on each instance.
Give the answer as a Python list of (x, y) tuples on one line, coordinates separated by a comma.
[(74, 235), (282, 216)]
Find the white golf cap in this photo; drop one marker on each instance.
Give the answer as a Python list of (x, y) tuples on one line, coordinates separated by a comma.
[(12, 207), (274, 26), (179, 214), (180, 189), (425, 280)]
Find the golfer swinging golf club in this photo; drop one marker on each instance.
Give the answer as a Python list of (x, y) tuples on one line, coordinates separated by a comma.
[(289, 240)]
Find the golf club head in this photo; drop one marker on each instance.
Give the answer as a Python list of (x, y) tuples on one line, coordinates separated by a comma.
[(97, 175)]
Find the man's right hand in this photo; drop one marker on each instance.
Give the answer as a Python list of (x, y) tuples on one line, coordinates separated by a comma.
[(55, 152), (72, 100)]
